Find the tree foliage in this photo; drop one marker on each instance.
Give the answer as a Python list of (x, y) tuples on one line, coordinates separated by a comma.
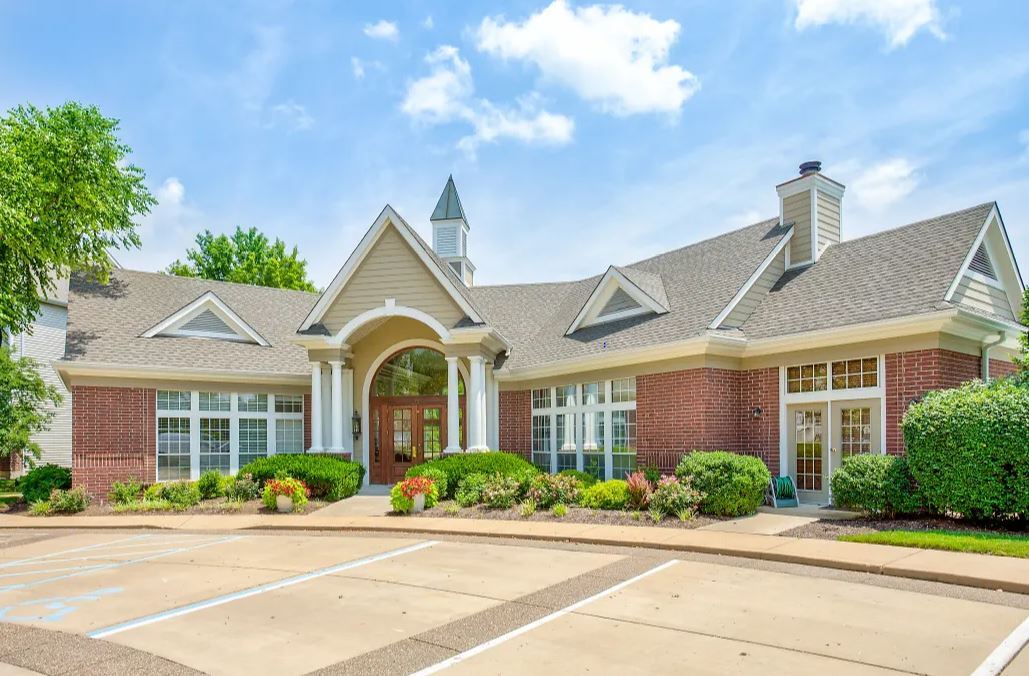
[(247, 257), (26, 405), (1022, 361), (67, 196)]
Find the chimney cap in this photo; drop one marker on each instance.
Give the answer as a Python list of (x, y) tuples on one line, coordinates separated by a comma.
[(810, 167)]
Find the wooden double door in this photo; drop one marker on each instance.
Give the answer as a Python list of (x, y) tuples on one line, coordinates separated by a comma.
[(407, 431)]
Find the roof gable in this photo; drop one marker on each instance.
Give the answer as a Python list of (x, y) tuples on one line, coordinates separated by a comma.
[(621, 293), (989, 279), (206, 317), (389, 219)]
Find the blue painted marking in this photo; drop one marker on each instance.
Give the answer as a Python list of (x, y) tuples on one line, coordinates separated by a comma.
[(59, 606), (254, 591)]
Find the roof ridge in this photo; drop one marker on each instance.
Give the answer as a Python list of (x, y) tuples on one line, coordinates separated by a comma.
[(214, 281), (923, 221), (703, 241)]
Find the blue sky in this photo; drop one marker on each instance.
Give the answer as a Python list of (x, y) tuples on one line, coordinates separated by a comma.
[(579, 135)]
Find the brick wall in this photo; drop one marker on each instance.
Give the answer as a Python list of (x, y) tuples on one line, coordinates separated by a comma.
[(909, 375), (759, 436), (516, 422), (999, 368), (113, 437), (307, 421)]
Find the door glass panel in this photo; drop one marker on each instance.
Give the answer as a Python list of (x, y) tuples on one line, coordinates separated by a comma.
[(809, 450), (402, 451), (593, 444), (855, 431), (432, 433), (565, 441)]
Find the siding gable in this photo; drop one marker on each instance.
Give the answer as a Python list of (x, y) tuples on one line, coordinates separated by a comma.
[(753, 297), (982, 296), (391, 270)]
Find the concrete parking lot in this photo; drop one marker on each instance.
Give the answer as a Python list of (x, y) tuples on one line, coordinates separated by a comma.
[(245, 603)]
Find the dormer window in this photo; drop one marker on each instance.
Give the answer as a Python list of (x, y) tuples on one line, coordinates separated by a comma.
[(207, 317), (620, 294)]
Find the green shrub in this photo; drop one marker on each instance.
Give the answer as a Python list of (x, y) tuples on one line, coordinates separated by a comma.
[(71, 501), (613, 494), (125, 491), (528, 508), (675, 497), (652, 473), (968, 448), (42, 480), (585, 478), (241, 488), (639, 490), (439, 477), (40, 508), (469, 491), (144, 506), (401, 496), (154, 492), (181, 493), (733, 485), (879, 485), (500, 491), (550, 489), (559, 510), (327, 477), (295, 489), (210, 485), (458, 466), (8, 485)]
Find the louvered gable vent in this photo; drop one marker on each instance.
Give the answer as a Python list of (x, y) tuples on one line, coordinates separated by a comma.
[(618, 302), (982, 264), (207, 322)]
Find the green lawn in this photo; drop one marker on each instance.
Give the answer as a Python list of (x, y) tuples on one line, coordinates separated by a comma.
[(976, 543)]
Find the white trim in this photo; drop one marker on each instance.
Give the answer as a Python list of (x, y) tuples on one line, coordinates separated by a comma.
[(802, 183), (589, 313), (988, 281), (390, 309), (814, 224), (69, 369), (207, 301), (1014, 299), (387, 217), (783, 243), (366, 387)]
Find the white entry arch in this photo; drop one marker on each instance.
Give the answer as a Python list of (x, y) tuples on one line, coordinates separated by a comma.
[(366, 390), (390, 309)]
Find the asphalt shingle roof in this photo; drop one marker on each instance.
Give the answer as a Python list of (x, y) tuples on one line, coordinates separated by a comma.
[(105, 324)]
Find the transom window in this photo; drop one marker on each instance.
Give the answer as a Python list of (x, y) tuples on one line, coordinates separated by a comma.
[(855, 373), (419, 371), (200, 431), (806, 378), (589, 427), (847, 374)]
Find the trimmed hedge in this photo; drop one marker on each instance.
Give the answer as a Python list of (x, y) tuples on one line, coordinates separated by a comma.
[(613, 494), (969, 450), (457, 467), (880, 485), (40, 481), (733, 485), (327, 477)]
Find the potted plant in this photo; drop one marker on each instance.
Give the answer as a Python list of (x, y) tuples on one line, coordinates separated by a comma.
[(414, 495), (285, 495)]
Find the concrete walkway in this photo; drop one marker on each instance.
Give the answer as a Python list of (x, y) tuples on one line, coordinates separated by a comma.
[(975, 570), (762, 523)]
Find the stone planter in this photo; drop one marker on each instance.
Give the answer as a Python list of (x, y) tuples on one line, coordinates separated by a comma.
[(284, 503), (419, 503)]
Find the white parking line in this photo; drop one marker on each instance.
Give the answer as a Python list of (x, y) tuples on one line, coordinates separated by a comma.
[(503, 638), (1005, 652), (19, 562), (254, 591)]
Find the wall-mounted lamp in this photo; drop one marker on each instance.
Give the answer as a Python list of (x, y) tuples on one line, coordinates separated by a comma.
[(756, 412), (357, 425)]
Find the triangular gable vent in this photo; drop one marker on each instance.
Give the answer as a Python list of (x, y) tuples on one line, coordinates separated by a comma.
[(981, 263), (619, 302), (621, 293), (207, 317)]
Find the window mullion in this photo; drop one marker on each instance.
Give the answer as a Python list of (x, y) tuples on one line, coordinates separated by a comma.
[(194, 435)]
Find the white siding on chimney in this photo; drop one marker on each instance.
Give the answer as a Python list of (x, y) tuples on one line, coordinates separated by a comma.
[(828, 208), (46, 344), (796, 209)]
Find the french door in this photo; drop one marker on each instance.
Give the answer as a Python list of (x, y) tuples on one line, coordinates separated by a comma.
[(407, 431)]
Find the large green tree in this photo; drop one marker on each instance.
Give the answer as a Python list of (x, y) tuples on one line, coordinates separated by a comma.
[(246, 257), (1022, 361), (26, 405), (67, 196)]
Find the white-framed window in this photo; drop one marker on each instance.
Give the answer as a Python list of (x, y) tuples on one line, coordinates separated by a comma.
[(590, 427), (855, 431), (807, 378), (854, 373), (200, 431), (833, 376)]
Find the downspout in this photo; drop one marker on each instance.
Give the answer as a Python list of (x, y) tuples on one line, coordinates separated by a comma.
[(985, 365)]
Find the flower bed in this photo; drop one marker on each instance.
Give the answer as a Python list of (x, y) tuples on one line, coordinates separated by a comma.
[(574, 514)]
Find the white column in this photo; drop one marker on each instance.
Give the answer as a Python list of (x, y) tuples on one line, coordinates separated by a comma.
[(316, 406), (488, 418), (453, 408), (495, 408), (348, 412), (336, 445), (476, 401)]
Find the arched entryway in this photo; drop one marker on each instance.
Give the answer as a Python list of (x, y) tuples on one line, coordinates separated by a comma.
[(408, 412)]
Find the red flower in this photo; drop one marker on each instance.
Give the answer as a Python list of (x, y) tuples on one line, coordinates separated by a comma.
[(416, 485)]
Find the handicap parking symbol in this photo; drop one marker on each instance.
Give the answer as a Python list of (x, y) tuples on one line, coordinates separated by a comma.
[(51, 609)]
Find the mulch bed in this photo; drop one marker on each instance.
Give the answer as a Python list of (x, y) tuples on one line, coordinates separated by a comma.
[(574, 515), (830, 529)]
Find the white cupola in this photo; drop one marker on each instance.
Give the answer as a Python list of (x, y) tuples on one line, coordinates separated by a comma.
[(450, 233)]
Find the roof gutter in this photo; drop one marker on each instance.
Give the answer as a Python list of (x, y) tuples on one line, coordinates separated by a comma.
[(985, 362), (69, 370)]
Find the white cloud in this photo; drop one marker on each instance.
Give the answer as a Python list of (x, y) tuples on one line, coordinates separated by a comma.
[(883, 184), (293, 115), (428, 23), (382, 30), (357, 68), (446, 95), (608, 55), (171, 192), (899, 20)]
